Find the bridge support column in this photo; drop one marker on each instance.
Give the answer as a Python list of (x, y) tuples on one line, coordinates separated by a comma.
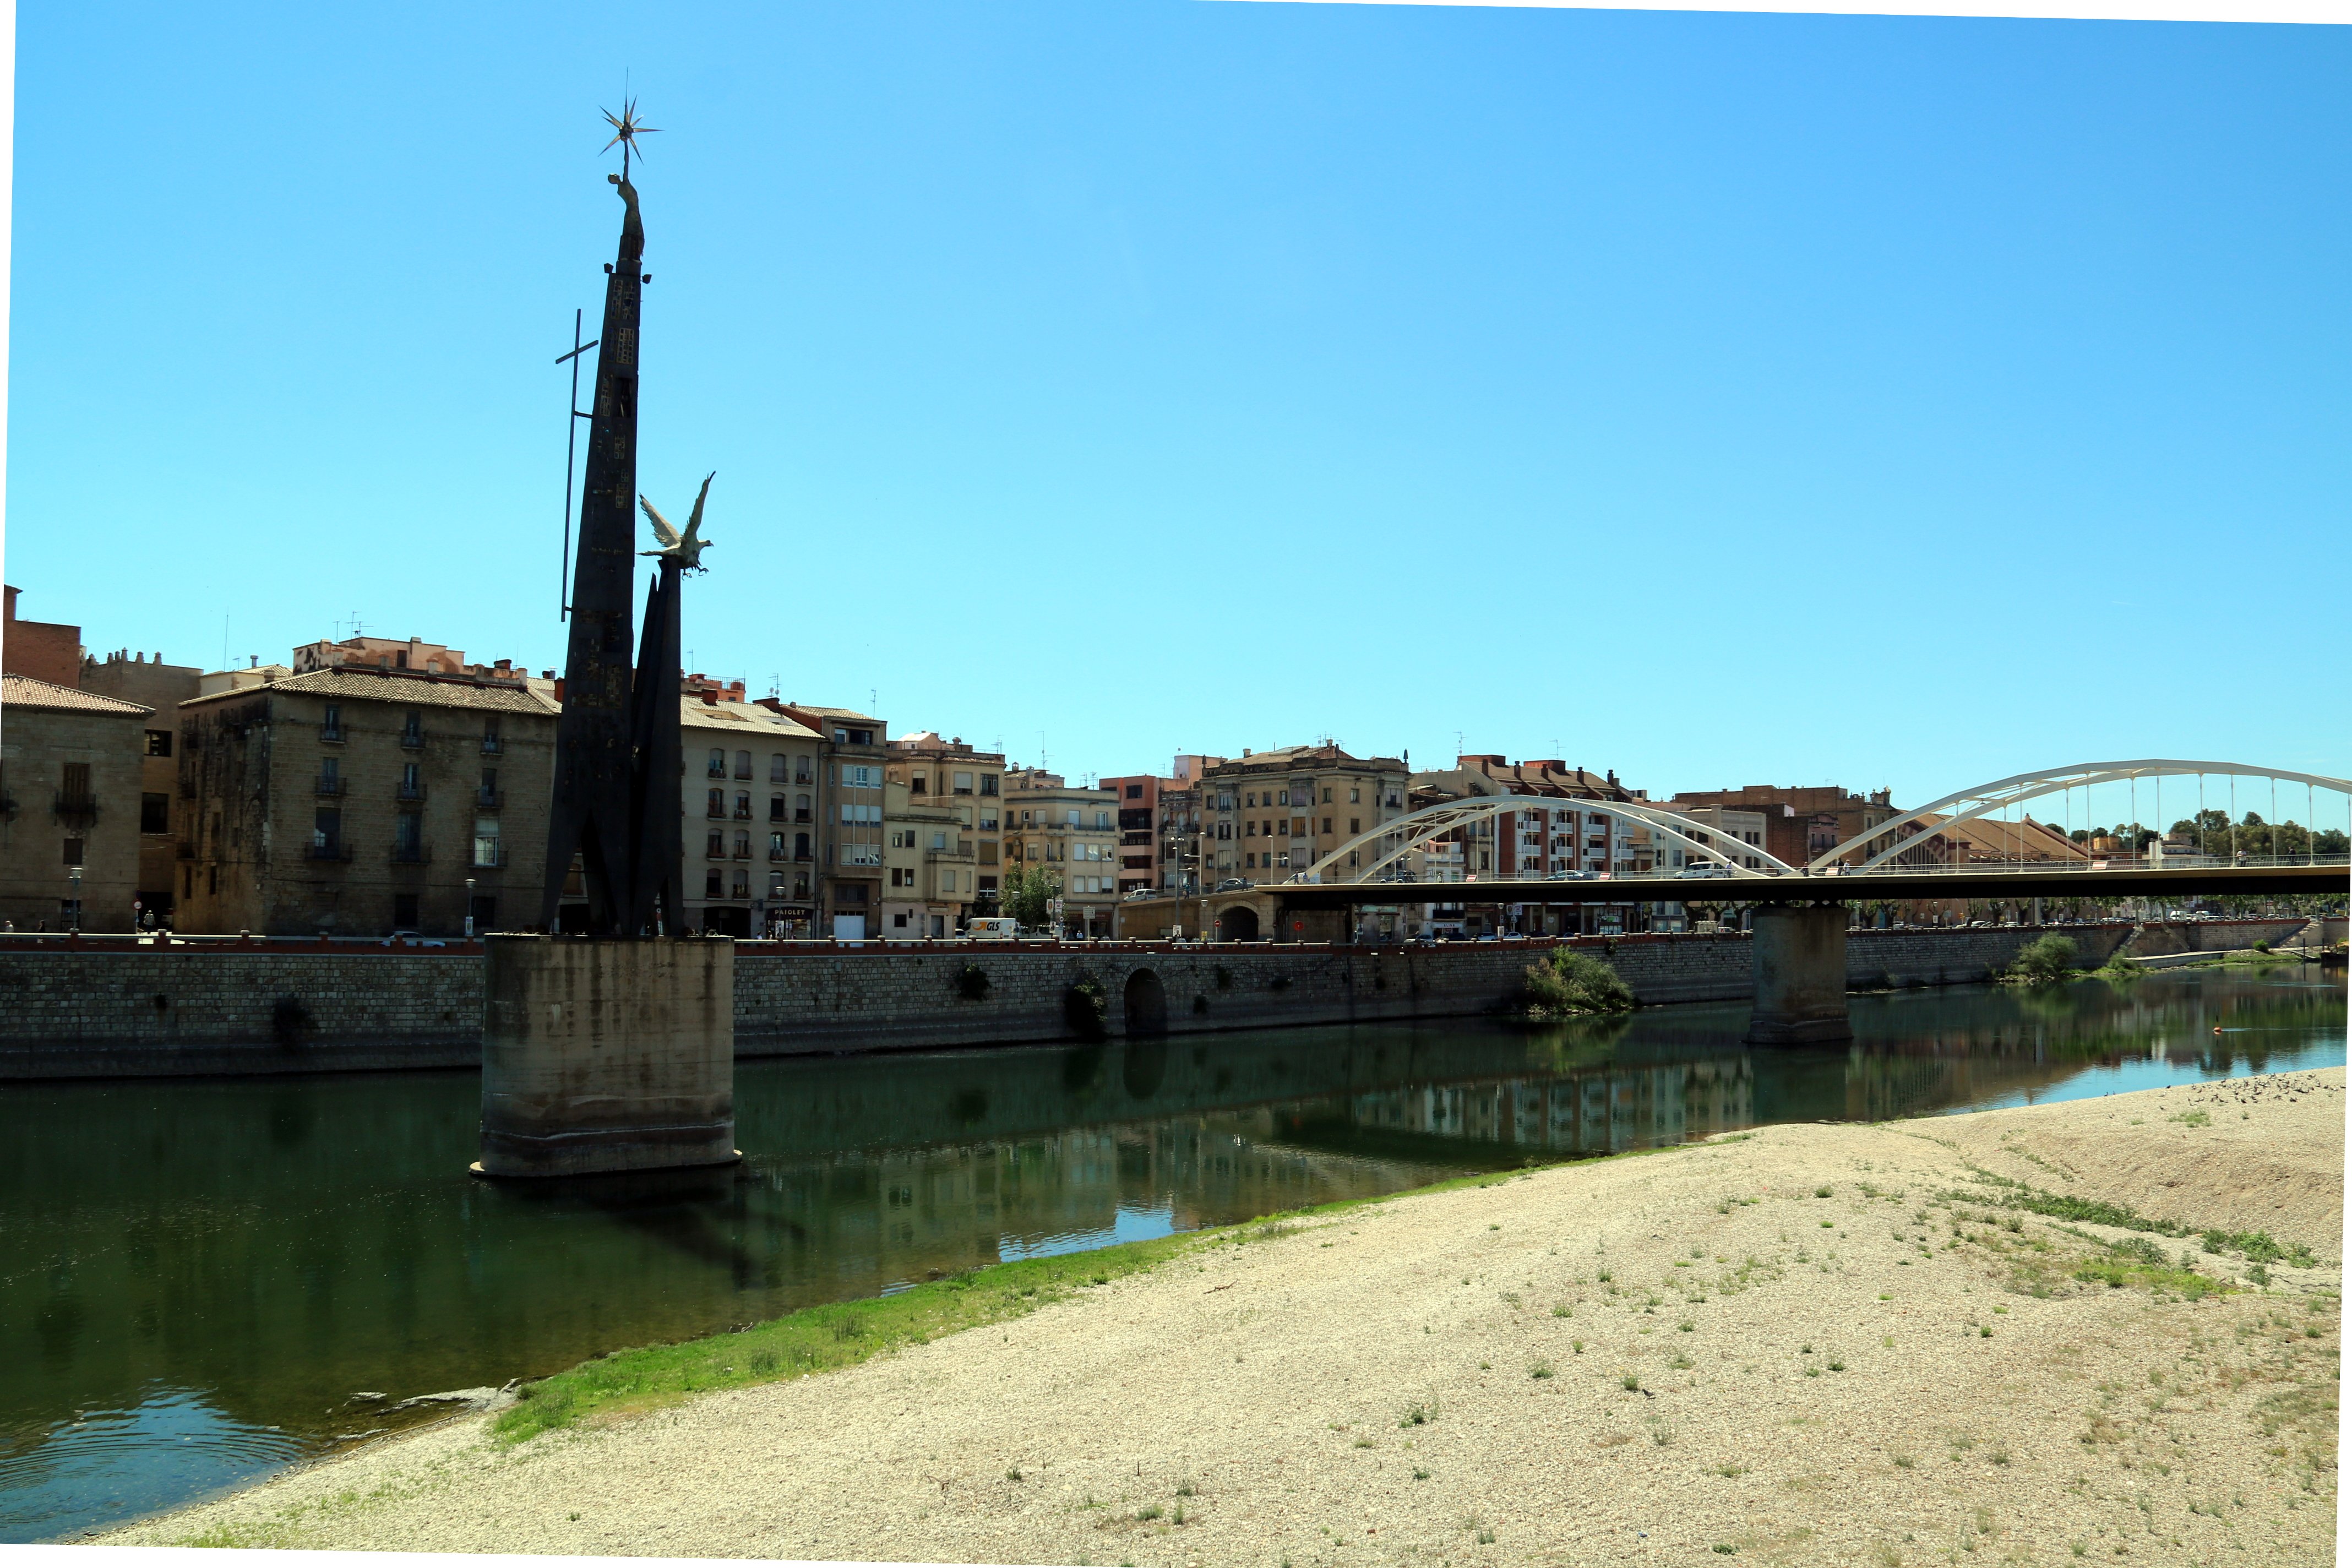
[(604, 1053), (1800, 958)]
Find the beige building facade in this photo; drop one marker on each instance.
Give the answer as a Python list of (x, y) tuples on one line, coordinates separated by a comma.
[(359, 801), (752, 844), (149, 682), (71, 781), (1269, 816), (1072, 831)]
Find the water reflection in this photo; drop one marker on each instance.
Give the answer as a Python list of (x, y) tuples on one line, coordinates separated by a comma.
[(250, 1254)]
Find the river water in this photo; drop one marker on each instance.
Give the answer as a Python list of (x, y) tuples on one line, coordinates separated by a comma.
[(195, 1277)]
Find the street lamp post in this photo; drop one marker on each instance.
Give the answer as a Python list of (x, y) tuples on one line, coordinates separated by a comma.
[(469, 908), (73, 912)]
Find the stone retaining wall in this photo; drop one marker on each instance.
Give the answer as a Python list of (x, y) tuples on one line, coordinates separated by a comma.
[(202, 1009)]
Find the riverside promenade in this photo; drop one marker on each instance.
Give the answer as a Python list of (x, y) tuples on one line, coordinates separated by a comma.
[(115, 1008)]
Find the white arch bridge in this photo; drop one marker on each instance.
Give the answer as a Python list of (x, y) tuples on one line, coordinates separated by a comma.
[(1908, 855), (1798, 923)]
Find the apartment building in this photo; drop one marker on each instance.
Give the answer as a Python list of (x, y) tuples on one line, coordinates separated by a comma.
[(46, 651), (1553, 836), (361, 800), (970, 783), (71, 805), (753, 843), (927, 864), (1138, 829), (1738, 833), (1269, 816), (390, 653), (134, 678), (1802, 823), (849, 801), (1072, 831)]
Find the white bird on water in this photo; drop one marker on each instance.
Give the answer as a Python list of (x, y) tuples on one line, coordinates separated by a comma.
[(687, 548)]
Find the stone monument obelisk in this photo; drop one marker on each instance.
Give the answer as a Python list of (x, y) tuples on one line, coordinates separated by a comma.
[(610, 1047)]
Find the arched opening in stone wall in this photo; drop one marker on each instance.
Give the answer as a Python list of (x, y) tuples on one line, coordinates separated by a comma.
[(1238, 924), (1147, 1004)]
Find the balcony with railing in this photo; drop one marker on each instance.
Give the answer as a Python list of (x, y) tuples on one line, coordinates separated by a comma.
[(75, 808), (493, 745), (336, 849), (324, 786), (489, 799), (411, 854), (409, 789), (412, 740)]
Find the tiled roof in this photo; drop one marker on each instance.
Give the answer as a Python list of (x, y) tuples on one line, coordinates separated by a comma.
[(409, 688), (741, 717), (24, 692)]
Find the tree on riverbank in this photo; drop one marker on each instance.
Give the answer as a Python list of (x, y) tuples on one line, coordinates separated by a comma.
[(1029, 893), (1569, 982), (2045, 959)]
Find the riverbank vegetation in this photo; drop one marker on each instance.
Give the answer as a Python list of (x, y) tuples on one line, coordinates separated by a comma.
[(1566, 983)]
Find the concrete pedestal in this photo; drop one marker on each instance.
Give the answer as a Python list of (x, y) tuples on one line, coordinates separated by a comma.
[(607, 1054), (1800, 956)]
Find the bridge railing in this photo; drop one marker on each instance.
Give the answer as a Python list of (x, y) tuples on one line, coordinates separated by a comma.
[(2105, 863)]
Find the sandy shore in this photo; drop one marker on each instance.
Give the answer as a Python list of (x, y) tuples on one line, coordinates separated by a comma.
[(1645, 1358)]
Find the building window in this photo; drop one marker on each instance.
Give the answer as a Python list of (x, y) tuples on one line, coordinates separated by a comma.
[(742, 764), (404, 912), (718, 806), (918, 785), (331, 727), (717, 840), (777, 773), (711, 884), (1135, 791), (742, 885), (742, 844), (858, 775), (988, 783), (159, 742), (775, 845), (408, 837), (1356, 796), (743, 804), (776, 812), (801, 808), (799, 845), (1355, 826), (491, 744), (154, 814), (964, 783), (412, 781), (487, 851), (717, 768), (412, 730)]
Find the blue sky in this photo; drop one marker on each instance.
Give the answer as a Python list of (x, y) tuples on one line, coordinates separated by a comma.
[(1715, 399)]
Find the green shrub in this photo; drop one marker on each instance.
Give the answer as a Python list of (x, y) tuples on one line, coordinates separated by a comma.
[(2045, 959), (1566, 983)]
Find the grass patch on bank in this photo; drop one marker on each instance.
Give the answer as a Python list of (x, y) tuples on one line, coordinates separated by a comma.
[(2255, 1246), (820, 1339), (844, 1333)]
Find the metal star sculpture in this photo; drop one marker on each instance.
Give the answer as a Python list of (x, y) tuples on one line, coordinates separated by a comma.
[(627, 128)]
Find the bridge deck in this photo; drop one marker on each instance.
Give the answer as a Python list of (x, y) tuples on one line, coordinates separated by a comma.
[(1992, 883)]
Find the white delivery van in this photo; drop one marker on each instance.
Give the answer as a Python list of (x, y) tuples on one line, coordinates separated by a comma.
[(993, 927)]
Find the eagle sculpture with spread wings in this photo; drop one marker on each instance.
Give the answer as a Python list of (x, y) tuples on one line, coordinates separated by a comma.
[(687, 548)]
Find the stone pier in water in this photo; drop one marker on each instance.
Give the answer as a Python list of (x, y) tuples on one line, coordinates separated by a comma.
[(604, 1055)]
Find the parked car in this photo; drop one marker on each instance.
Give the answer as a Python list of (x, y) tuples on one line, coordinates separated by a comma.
[(1236, 885), (1573, 877), (1705, 869)]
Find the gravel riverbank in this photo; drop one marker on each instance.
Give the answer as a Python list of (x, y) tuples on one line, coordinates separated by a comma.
[(2043, 1334)]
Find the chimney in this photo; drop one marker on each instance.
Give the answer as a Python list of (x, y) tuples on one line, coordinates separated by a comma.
[(710, 696)]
